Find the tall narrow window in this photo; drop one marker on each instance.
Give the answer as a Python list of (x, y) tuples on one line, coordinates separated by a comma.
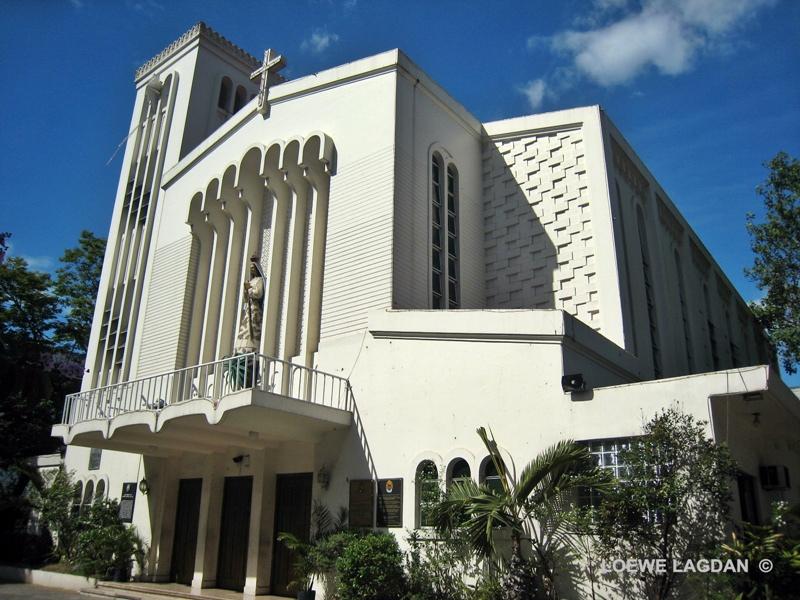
[(240, 99), (100, 491), (452, 238), (428, 494), (712, 333), (437, 265), (445, 288), (224, 98), (687, 334), (88, 496), (649, 293), (77, 498)]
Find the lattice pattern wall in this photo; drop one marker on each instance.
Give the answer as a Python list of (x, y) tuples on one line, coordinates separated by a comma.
[(540, 247)]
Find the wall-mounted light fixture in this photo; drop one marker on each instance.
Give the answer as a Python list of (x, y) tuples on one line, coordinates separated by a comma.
[(144, 487), (243, 460)]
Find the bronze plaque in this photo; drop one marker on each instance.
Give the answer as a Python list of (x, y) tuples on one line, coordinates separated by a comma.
[(362, 498), (390, 503)]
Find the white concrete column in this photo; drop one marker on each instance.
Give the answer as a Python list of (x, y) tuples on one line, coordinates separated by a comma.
[(262, 510), (293, 273), (312, 309), (162, 502), (205, 560), (278, 199)]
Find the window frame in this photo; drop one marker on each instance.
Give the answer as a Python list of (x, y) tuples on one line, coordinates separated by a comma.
[(444, 264), (422, 487)]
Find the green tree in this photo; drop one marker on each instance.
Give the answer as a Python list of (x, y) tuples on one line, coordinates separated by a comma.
[(4, 235), (76, 285), (527, 508), (41, 361), (672, 503), (54, 503), (776, 270), (27, 315)]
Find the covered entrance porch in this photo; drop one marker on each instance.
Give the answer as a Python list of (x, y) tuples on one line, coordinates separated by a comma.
[(225, 473)]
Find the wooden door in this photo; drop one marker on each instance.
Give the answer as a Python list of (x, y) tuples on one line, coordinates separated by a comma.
[(292, 515), (234, 533), (184, 544)]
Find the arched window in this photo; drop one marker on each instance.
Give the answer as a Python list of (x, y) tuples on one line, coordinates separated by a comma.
[(491, 478), (225, 89), (445, 287), (650, 297), (77, 497), (88, 496), (687, 333), (459, 471), (427, 488), (100, 490), (240, 99)]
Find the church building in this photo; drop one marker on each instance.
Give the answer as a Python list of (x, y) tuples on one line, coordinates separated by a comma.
[(315, 290)]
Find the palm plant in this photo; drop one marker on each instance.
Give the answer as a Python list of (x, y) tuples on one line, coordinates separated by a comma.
[(527, 508)]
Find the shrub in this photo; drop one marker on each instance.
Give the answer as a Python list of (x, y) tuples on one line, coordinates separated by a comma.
[(371, 568), (54, 503), (437, 567), (777, 541), (105, 547)]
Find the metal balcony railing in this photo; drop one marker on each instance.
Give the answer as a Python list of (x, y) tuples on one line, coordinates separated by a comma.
[(210, 381)]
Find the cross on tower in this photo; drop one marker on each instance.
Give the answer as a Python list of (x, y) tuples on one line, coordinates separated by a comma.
[(268, 71)]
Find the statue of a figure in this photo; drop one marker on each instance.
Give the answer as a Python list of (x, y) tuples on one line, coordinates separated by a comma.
[(248, 338)]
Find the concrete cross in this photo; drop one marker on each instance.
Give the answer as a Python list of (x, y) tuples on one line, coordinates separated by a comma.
[(268, 71)]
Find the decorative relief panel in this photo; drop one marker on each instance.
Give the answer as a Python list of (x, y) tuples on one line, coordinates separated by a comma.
[(540, 247)]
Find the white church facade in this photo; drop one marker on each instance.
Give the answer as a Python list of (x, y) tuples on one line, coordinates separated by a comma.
[(415, 274)]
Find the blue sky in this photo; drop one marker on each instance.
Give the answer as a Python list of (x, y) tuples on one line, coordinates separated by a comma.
[(705, 90)]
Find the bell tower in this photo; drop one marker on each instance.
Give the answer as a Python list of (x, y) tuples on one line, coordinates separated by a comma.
[(183, 94)]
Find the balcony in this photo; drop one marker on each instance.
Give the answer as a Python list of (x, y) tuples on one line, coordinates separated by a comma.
[(248, 400)]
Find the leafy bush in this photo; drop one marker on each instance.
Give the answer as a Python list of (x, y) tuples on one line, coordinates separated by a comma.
[(779, 542), (54, 503), (437, 567), (105, 546), (371, 568)]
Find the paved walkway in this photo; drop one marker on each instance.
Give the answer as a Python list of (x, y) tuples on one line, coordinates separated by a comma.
[(27, 591)]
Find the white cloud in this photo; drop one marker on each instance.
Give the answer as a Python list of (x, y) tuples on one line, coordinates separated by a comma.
[(39, 263), (535, 92), (667, 35), (617, 53), (319, 41)]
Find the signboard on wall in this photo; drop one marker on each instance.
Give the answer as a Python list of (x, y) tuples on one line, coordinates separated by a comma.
[(362, 500), (126, 501), (390, 503)]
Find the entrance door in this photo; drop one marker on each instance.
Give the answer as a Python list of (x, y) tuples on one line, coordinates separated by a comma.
[(184, 543), (234, 532), (292, 515)]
